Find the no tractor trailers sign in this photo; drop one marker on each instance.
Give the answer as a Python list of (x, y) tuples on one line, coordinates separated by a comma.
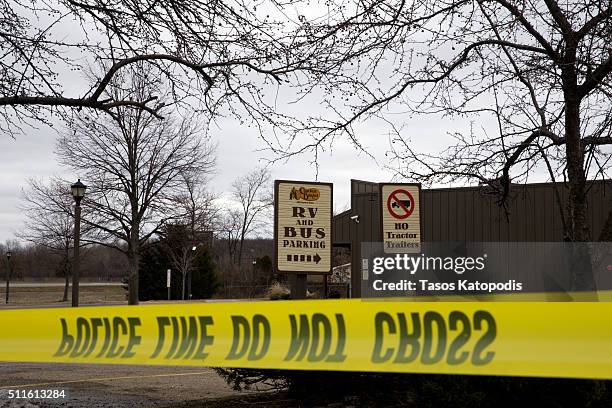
[(401, 217), (302, 226)]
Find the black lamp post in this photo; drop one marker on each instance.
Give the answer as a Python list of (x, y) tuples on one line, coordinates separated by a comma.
[(8, 273), (78, 192)]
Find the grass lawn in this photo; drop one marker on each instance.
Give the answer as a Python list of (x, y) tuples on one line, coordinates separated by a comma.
[(52, 295)]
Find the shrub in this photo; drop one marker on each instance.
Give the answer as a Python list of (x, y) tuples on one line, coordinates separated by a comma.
[(278, 291), (334, 294)]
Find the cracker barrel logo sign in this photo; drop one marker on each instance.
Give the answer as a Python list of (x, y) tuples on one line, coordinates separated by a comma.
[(303, 193), (401, 217), (302, 226)]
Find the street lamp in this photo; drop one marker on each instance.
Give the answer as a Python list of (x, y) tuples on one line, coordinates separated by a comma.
[(8, 273), (78, 192)]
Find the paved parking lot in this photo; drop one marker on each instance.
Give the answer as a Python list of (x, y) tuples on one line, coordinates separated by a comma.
[(111, 385)]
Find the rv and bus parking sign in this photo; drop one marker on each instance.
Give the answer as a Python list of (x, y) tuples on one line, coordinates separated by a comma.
[(401, 217), (302, 227)]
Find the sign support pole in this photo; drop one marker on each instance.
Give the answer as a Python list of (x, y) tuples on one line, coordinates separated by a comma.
[(298, 286), (325, 291)]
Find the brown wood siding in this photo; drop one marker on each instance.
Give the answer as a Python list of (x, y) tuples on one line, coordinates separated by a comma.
[(341, 229), (467, 214)]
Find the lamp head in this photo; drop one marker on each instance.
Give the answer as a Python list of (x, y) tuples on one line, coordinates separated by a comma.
[(78, 191)]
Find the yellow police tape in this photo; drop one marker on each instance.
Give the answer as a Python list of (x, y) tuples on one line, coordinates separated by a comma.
[(551, 339)]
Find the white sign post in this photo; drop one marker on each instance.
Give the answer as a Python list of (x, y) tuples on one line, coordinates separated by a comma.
[(168, 275)]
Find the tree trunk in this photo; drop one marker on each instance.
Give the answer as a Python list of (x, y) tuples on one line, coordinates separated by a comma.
[(240, 251), (578, 223), (66, 272), (134, 264), (581, 265), (66, 286), (576, 205), (242, 234), (581, 269)]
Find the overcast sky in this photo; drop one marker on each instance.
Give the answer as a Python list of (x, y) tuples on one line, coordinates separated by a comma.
[(31, 155)]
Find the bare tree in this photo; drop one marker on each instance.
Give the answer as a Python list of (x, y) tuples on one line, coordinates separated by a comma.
[(539, 71), (198, 203), (181, 251), (253, 194), (229, 230), (50, 221), (199, 219), (220, 54), (134, 164)]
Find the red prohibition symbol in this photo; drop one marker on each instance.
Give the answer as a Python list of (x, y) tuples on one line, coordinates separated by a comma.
[(398, 206)]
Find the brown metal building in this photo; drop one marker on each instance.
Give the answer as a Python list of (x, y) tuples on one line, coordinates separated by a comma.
[(468, 214)]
